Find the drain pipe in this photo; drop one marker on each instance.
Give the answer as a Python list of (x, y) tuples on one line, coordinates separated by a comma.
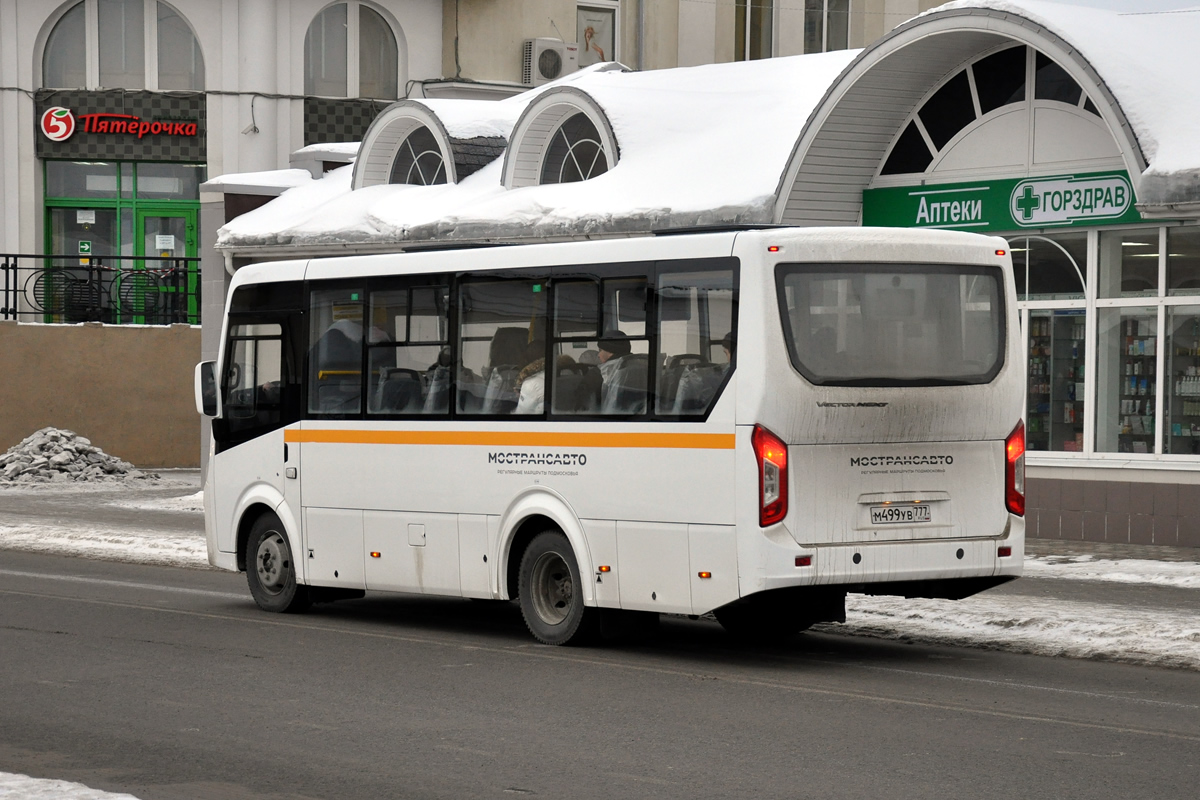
[(641, 35)]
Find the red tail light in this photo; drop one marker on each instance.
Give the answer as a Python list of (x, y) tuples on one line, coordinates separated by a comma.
[(1014, 470), (771, 453)]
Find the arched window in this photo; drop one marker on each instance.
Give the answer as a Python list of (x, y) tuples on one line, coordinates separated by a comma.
[(351, 51), (129, 34), (575, 152), (990, 83), (64, 64), (419, 160)]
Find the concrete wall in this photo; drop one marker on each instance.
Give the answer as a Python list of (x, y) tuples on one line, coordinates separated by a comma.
[(128, 389)]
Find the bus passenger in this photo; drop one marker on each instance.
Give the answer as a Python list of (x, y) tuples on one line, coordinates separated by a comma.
[(613, 346)]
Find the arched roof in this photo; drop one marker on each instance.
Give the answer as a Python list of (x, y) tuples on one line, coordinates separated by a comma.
[(460, 156), (537, 125), (848, 134)]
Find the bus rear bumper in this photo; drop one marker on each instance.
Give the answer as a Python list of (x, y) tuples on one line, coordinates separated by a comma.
[(937, 568)]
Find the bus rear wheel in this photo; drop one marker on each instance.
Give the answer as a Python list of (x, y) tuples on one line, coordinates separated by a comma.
[(271, 569), (550, 592)]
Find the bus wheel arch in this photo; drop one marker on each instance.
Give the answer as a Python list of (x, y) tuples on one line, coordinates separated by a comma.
[(249, 516), (530, 514)]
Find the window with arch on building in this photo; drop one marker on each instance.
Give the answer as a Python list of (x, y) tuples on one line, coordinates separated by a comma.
[(419, 160), (826, 25), (350, 50), (122, 44), (992, 83), (753, 29), (575, 152)]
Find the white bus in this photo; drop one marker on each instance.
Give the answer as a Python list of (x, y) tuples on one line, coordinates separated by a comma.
[(749, 423)]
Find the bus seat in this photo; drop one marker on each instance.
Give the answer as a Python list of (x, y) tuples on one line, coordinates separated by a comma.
[(627, 393), (501, 394), (697, 386), (509, 347), (669, 385), (399, 392), (437, 399), (566, 389)]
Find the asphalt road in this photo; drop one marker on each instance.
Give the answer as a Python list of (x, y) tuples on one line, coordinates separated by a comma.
[(169, 683)]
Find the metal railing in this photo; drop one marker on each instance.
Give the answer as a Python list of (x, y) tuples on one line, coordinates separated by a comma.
[(119, 290)]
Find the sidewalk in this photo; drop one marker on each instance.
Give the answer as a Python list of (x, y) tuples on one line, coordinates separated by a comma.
[(1150, 552)]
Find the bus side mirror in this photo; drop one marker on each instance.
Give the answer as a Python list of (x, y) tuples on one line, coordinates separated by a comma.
[(206, 388)]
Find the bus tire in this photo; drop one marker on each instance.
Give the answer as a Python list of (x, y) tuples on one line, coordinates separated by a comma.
[(550, 592), (271, 569)]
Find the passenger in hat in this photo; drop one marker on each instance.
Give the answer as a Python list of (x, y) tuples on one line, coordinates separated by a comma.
[(613, 346)]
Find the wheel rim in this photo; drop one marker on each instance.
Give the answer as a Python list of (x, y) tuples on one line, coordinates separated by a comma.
[(552, 589), (271, 563)]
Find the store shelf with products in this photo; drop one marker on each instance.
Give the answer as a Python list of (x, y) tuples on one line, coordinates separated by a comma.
[(1138, 387), (1183, 403), (1054, 418)]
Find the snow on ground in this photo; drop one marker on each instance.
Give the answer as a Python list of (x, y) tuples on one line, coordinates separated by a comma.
[(23, 787), (1183, 575), (1022, 624), (189, 503), (112, 544)]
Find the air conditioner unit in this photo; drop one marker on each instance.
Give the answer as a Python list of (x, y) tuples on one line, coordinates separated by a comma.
[(543, 60)]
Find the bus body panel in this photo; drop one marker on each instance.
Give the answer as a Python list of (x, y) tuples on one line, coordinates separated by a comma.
[(835, 490)]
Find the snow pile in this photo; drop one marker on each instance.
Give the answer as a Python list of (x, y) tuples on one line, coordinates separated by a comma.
[(23, 787), (1022, 624), (130, 545), (1183, 575), (56, 455)]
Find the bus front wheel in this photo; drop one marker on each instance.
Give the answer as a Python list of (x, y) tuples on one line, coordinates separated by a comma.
[(271, 569), (551, 592)]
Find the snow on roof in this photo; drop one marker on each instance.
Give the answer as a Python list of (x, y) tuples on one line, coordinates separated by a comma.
[(697, 145), (270, 182), (1146, 53), (344, 148)]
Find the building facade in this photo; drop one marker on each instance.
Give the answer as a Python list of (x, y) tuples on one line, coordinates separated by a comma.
[(1041, 122)]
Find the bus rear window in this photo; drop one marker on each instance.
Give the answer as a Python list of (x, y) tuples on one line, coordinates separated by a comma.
[(893, 324)]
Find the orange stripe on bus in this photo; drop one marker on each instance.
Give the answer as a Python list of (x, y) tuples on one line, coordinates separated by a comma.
[(694, 441)]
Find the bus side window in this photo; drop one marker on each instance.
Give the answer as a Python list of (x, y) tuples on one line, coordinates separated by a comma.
[(253, 372), (696, 339), (601, 340), (408, 349), (502, 346), (335, 351)]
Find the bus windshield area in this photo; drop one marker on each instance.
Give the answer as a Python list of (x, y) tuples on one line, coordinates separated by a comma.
[(893, 324)]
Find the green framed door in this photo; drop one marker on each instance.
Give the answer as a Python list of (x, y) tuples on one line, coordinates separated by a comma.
[(159, 286)]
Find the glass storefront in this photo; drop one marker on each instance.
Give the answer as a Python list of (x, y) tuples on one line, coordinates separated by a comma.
[(117, 231), (1112, 335)]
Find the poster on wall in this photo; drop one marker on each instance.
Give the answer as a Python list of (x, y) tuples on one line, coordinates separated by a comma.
[(596, 33)]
